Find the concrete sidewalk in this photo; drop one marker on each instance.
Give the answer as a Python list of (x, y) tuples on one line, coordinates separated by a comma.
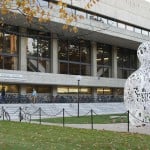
[(117, 127)]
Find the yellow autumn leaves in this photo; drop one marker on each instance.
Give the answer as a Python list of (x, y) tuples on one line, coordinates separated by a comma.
[(33, 8)]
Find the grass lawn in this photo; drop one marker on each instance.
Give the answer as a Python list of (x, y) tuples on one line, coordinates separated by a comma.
[(26, 136), (97, 119)]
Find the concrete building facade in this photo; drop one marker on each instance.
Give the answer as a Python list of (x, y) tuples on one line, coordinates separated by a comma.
[(51, 60)]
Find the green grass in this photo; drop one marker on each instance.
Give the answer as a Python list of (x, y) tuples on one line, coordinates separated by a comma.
[(97, 119), (25, 136)]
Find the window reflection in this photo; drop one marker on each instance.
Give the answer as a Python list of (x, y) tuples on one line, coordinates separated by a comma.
[(74, 57), (74, 69), (10, 88), (32, 47), (73, 51), (127, 62), (104, 60), (8, 51), (38, 55), (63, 50)]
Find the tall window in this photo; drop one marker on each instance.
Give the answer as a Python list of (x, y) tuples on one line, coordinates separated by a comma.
[(104, 54), (39, 88), (10, 88), (38, 54), (127, 62), (73, 90), (8, 49), (74, 57)]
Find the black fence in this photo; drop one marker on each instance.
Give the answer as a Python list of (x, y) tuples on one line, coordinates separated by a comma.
[(39, 114), (15, 98)]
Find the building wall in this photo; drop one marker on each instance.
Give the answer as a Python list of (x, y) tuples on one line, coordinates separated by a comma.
[(124, 10), (132, 11)]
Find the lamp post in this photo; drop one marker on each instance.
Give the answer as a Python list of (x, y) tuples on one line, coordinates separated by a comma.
[(78, 79)]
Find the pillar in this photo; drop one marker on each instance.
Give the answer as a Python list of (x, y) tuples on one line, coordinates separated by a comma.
[(22, 57), (114, 62), (54, 58), (54, 53), (94, 66)]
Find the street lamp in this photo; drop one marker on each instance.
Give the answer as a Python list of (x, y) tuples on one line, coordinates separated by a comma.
[(78, 79)]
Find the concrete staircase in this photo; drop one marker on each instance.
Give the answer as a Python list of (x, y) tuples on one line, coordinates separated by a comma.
[(56, 109)]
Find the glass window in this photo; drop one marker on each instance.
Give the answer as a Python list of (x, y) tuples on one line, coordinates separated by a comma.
[(43, 48), (144, 32), (74, 69), (112, 23), (38, 55), (130, 28), (8, 43), (74, 52), (103, 71), (127, 62), (44, 89), (63, 50), (39, 88), (10, 88), (8, 51), (104, 54), (104, 20), (1, 41), (32, 64), (73, 90), (70, 11), (133, 60), (62, 90), (121, 25), (10, 62), (137, 30), (80, 14), (32, 47), (85, 52), (104, 61), (94, 17), (63, 67), (85, 70), (118, 91), (100, 19), (74, 57), (104, 91)]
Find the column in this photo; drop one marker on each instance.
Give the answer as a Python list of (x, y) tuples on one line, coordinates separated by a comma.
[(94, 65), (114, 62), (93, 58), (22, 51), (54, 59), (54, 53), (22, 57)]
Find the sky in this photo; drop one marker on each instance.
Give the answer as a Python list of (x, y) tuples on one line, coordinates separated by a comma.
[(147, 0)]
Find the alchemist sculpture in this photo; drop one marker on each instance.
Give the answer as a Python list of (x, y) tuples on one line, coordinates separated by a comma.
[(137, 89)]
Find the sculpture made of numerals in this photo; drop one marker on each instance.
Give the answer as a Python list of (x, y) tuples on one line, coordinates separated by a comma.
[(137, 88)]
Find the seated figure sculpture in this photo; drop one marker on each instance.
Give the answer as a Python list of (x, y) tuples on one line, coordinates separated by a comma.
[(137, 89)]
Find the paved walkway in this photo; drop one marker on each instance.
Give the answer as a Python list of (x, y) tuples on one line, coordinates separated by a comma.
[(118, 127)]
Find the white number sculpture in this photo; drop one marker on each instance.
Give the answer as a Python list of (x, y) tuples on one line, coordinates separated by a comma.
[(137, 89)]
